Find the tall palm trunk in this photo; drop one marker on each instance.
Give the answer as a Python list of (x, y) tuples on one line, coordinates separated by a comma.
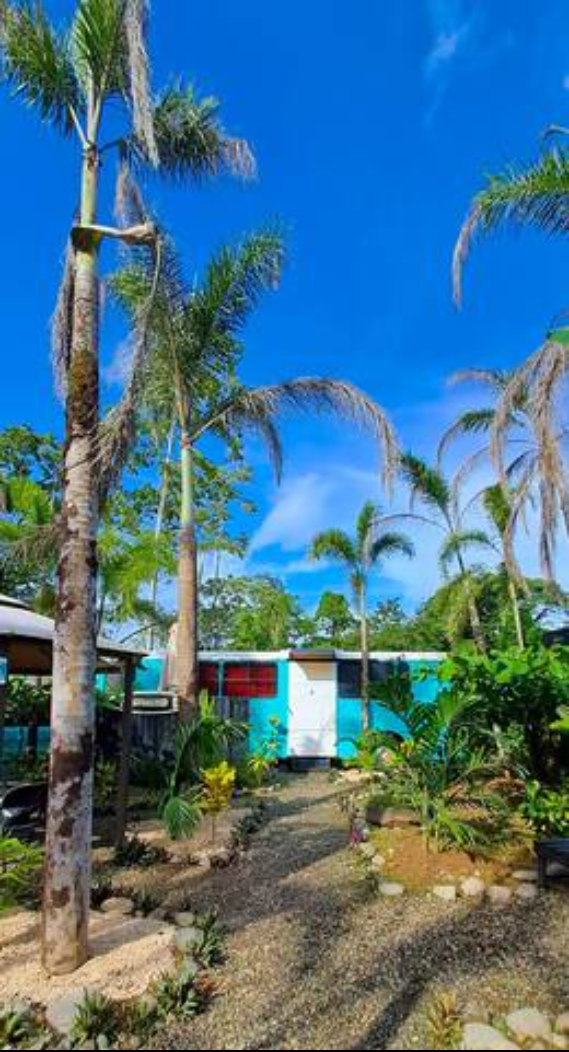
[(515, 600), (159, 522), (187, 644), (473, 611), (68, 843), (365, 657)]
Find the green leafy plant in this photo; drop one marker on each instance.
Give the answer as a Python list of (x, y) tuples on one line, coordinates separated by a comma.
[(136, 852), (177, 995), (180, 810), (18, 1027), (96, 1016), (218, 789), (546, 810), (105, 785), (264, 761), (20, 872)]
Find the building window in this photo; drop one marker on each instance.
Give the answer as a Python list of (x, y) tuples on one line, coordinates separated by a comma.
[(209, 677), (250, 680), (350, 675)]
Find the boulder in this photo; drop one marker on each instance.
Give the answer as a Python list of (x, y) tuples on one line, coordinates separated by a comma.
[(368, 850), (499, 895), (525, 876), (378, 861), (391, 890), (473, 888), (188, 940), (484, 1037), (184, 919), (445, 892), (60, 1014), (526, 892), (117, 904), (527, 1024)]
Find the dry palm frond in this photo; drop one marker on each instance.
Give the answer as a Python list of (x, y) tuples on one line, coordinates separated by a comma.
[(135, 18), (129, 208), (240, 159), (62, 323)]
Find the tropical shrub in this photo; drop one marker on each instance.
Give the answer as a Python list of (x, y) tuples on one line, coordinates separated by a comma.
[(509, 687), (135, 852), (546, 810), (218, 788), (106, 776), (265, 759), (20, 872), (96, 1016), (438, 773)]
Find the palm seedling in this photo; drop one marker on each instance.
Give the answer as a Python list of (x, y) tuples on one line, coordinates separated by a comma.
[(360, 555), (76, 79)]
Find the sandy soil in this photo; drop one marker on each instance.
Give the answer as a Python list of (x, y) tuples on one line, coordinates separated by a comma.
[(128, 954)]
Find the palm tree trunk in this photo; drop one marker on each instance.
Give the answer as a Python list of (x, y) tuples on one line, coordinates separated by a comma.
[(187, 656), (365, 659), (68, 840), (517, 614), (473, 611), (159, 523)]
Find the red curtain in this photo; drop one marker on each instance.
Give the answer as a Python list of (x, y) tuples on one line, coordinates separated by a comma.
[(250, 680)]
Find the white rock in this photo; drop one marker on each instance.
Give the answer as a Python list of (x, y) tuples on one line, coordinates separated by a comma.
[(562, 1024), (483, 1037), (473, 888), (116, 904), (60, 1014), (368, 850), (391, 890), (378, 862), (446, 892), (528, 1023), (525, 876), (184, 920), (499, 895), (526, 892)]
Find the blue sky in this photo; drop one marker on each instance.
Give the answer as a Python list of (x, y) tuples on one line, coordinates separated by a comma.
[(372, 123)]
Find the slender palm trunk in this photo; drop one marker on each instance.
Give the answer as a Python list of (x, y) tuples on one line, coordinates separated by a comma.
[(187, 656), (68, 844), (159, 522), (515, 600), (365, 658), (473, 611)]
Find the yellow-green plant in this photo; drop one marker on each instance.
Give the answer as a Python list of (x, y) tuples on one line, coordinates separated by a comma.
[(218, 787), (265, 759)]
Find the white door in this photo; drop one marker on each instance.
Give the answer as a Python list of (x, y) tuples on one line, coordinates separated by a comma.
[(312, 712)]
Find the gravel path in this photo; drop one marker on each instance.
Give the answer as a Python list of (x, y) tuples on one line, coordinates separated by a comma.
[(317, 961)]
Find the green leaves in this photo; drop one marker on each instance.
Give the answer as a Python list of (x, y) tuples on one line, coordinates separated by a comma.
[(35, 61), (459, 541), (336, 545), (427, 484), (98, 48)]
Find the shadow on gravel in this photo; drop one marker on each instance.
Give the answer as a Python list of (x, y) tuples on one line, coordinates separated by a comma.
[(459, 948)]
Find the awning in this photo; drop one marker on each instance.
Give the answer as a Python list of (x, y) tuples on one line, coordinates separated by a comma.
[(26, 639)]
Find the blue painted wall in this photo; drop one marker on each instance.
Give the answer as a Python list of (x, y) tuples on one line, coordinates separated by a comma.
[(148, 676), (262, 710), (350, 714)]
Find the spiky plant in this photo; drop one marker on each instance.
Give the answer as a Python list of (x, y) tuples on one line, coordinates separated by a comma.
[(197, 346), (360, 554), (432, 490), (73, 78)]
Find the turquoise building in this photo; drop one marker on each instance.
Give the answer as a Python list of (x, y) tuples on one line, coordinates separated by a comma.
[(313, 697)]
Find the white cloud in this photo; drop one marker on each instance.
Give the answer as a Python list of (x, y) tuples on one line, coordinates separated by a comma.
[(117, 372), (565, 82)]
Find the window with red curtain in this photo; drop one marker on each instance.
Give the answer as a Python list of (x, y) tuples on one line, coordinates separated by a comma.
[(249, 679), (209, 677)]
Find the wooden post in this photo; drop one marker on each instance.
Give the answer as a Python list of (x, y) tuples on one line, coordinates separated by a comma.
[(126, 743)]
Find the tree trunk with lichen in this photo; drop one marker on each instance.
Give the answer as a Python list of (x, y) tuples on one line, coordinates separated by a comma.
[(187, 669), (67, 881)]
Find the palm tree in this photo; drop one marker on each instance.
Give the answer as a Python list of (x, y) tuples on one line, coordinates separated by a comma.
[(429, 486), (524, 438), (196, 347), (360, 554), (535, 196), (73, 78)]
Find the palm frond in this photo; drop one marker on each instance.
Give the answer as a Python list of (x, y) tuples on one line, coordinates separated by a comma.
[(129, 207), (335, 545), (427, 484), (135, 20), (99, 49), (391, 543), (62, 323), (190, 140), (365, 527), (537, 196), (35, 61), (457, 542), (471, 422)]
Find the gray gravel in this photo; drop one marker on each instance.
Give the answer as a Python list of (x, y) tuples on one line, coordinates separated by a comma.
[(317, 961)]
